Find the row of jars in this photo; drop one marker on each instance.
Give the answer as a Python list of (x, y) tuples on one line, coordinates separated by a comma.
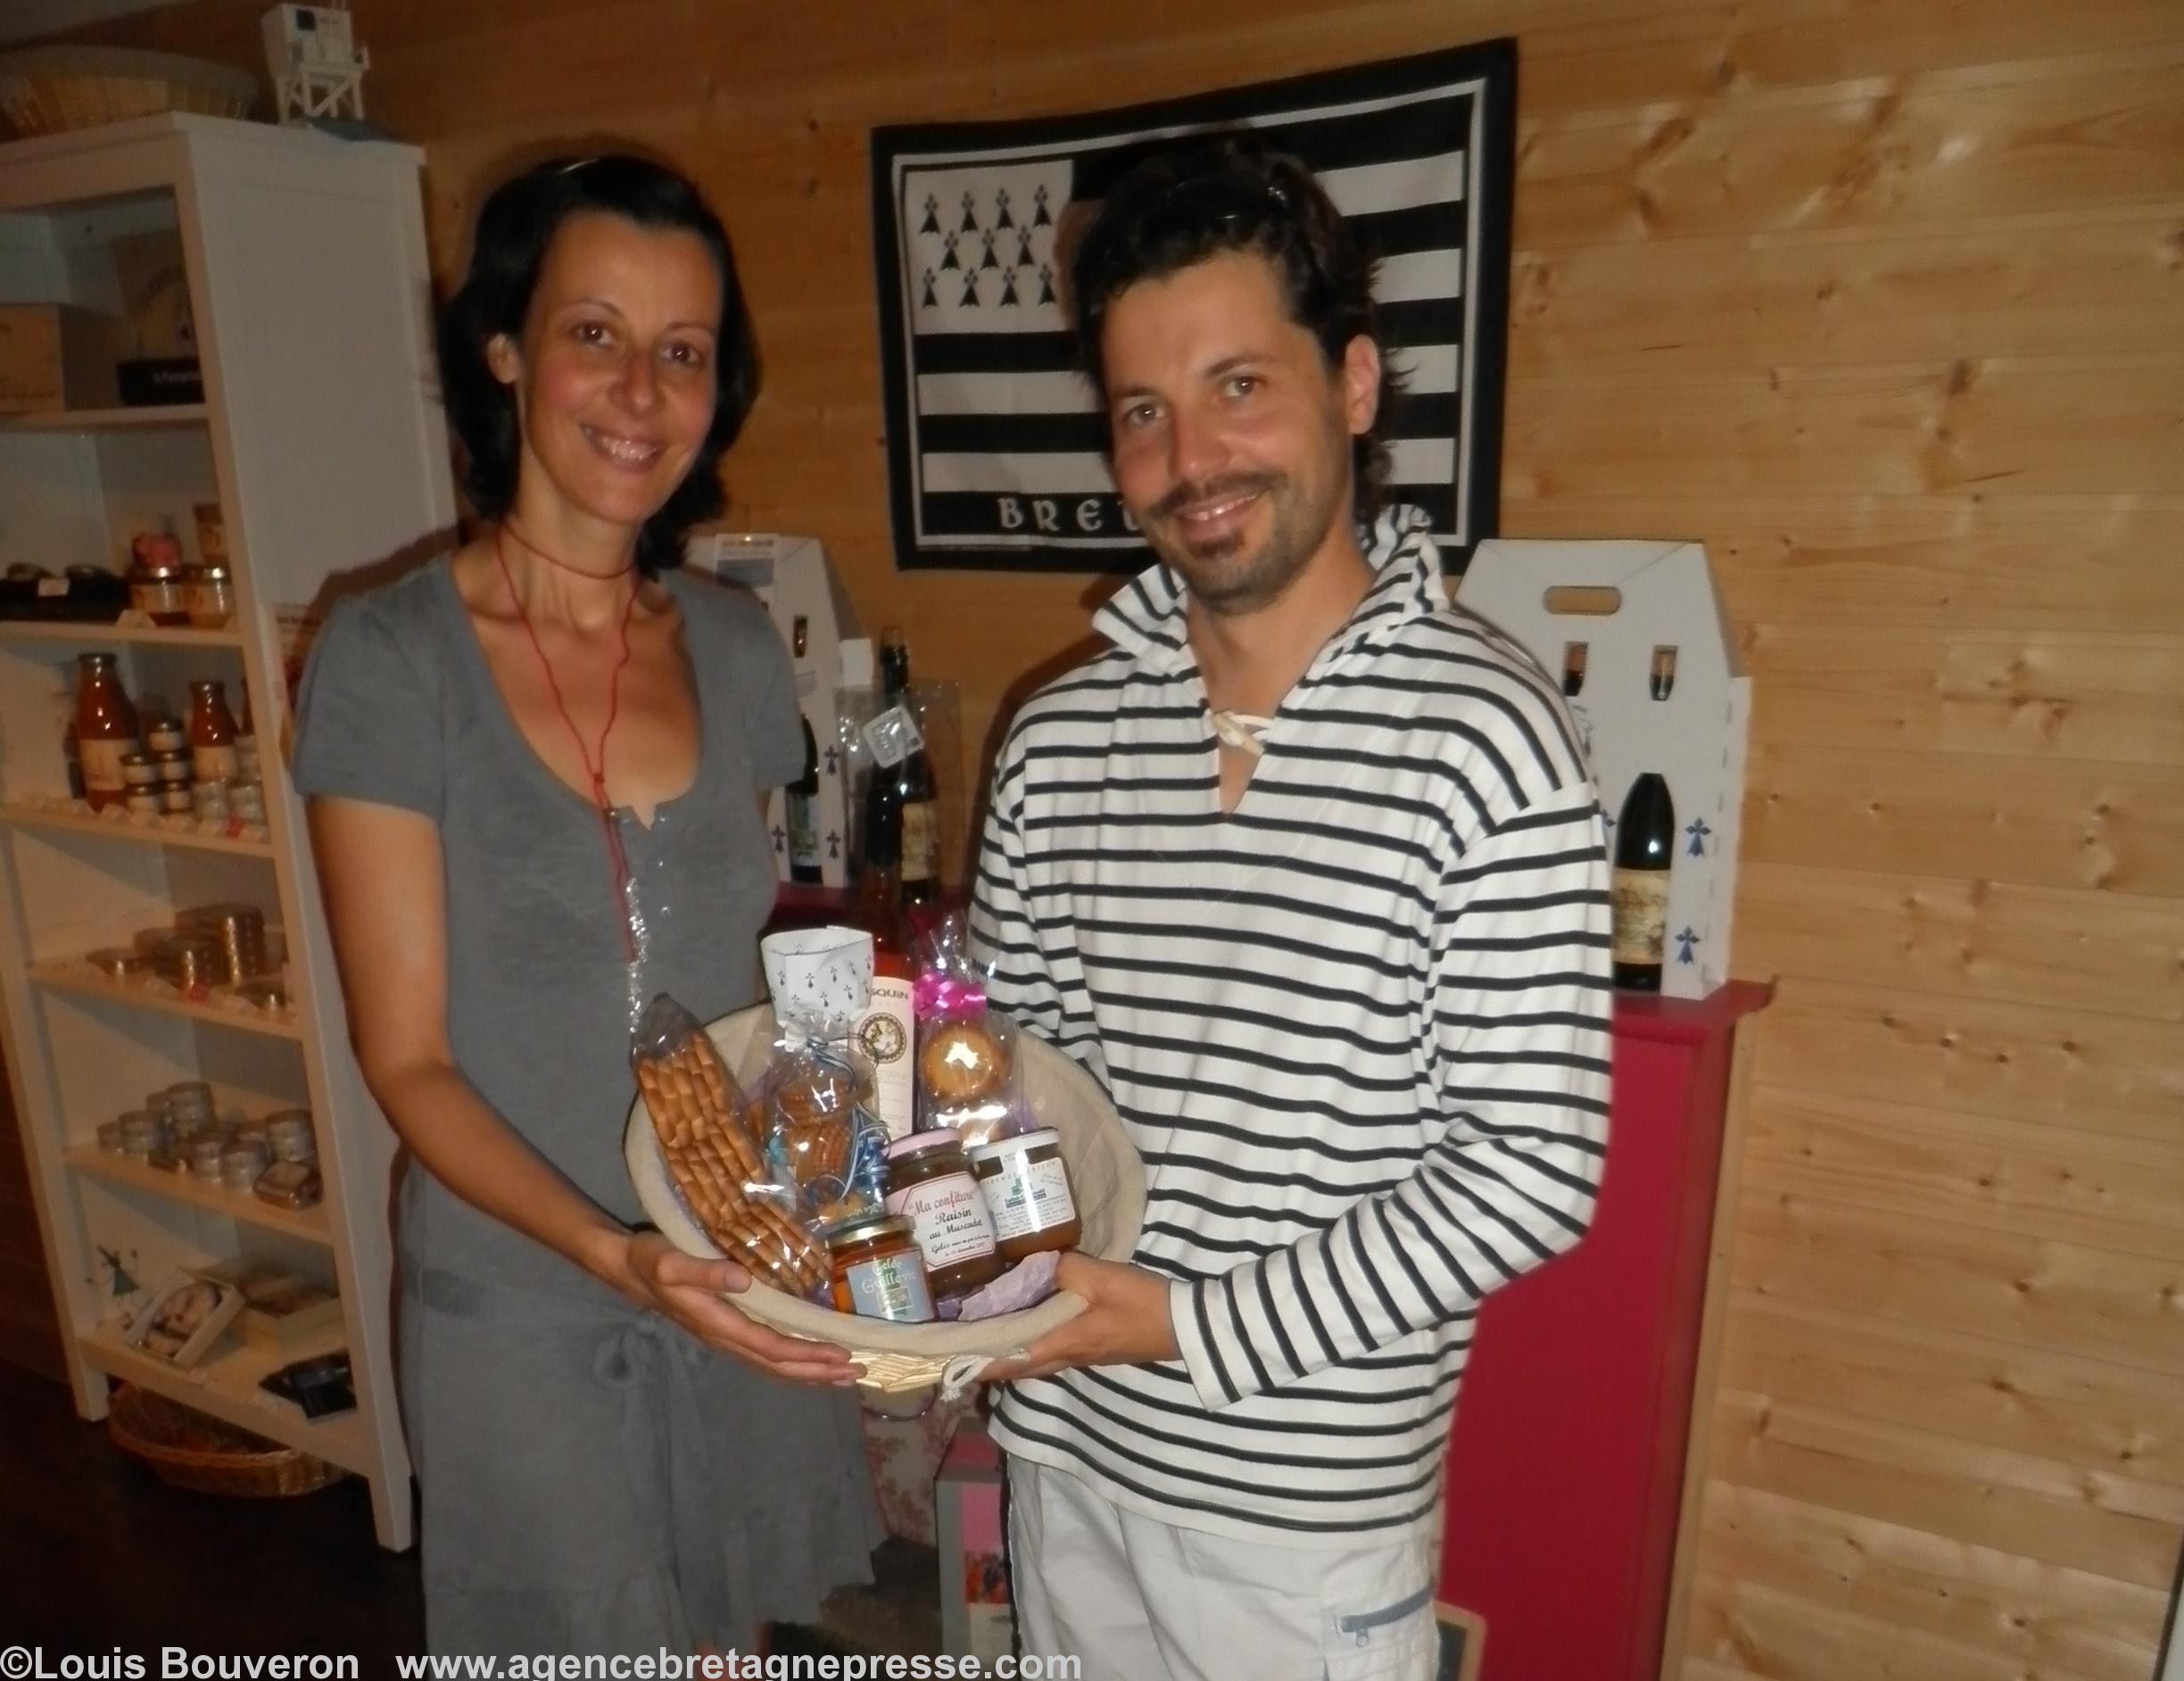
[(168, 591), (178, 1130), (206, 945), (207, 767)]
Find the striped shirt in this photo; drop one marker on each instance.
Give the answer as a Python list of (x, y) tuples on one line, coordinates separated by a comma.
[(1358, 1029)]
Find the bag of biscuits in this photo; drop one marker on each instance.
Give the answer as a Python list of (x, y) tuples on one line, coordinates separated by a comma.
[(811, 1094), (967, 1053), (720, 1172)]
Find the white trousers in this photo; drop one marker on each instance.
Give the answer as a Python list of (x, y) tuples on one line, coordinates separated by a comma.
[(1139, 1600)]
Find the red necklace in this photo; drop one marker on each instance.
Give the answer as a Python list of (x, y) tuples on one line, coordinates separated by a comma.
[(617, 860)]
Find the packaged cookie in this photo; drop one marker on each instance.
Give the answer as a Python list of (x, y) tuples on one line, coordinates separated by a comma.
[(967, 1053), (813, 1098), (719, 1169)]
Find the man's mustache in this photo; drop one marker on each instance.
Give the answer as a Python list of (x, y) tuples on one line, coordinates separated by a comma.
[(1213, 491)]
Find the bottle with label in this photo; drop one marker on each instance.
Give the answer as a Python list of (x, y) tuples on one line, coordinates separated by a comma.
[(905, 790), (105, 730), (1644, 847), (887, 1033), (211, 733), (802, 799)]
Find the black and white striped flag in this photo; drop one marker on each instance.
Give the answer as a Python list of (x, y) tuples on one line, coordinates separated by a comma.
[(995, 447)]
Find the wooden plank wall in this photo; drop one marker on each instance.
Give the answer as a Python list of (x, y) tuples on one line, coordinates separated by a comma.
[(1883, 299)]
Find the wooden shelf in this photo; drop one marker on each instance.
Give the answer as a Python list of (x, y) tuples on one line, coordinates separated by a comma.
[(69, 821), (225, 1384), (51, 630), (151, 417), (308, 1223), (68, 977)]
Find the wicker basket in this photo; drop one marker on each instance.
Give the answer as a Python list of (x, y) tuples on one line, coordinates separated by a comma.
[(192, 1451), (53, 89), (1106, 1176)]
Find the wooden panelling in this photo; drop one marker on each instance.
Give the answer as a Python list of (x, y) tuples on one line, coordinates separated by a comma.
[(1979, 561), (1880, 299), (2094, 286), (2008, 1395), (2076, 949), (2077, 1069), (2092, 1303), (2040, 695), (2043, 823)]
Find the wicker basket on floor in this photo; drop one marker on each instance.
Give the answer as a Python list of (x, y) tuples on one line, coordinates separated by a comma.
[(193, 1451), (55, 89)]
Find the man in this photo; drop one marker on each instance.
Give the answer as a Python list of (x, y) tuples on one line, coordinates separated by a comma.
[(1307, 871)]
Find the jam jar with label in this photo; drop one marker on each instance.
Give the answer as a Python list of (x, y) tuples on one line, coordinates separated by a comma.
[(928, 1183), (877, 1271), (1027, 1187)]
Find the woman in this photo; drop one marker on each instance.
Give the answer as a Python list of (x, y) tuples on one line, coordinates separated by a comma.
[(535, 770)]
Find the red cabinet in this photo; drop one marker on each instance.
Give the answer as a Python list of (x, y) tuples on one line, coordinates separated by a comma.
[(1565, 1460)]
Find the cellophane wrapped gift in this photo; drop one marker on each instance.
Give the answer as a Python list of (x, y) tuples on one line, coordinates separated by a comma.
[(812, 1094), (967, 1076), (720, 1172)]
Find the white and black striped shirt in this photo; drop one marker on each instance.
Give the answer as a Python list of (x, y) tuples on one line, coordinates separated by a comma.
[(1358, 1029)]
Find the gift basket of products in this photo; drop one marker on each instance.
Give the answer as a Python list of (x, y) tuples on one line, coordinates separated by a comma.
[(926, 1249)]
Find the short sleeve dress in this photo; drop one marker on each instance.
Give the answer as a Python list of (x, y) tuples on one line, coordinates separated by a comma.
[(593, 1479)]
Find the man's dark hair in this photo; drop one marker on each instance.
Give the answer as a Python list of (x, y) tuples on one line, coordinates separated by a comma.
[(514, 229), (1228, 192)]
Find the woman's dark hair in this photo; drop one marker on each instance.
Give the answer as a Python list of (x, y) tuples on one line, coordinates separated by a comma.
[(1200, 198), (515, 229)]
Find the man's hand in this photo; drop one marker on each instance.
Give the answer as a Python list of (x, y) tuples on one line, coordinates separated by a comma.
[(1124, 1323)]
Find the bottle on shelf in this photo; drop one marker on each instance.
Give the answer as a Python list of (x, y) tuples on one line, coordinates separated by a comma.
[(901, 799), (105, 730), (212, 733), (801, 797), (1644, 848)]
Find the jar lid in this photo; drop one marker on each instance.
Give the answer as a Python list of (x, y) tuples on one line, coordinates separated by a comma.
[(866, 1227), (155, 569), (213, 571), (996, 1148), (918, 1143)]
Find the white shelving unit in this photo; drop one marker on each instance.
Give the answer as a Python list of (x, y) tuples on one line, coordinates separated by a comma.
[(322, 441)]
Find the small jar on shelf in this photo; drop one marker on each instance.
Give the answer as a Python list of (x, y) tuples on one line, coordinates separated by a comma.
[(155, 579), (209, 591)]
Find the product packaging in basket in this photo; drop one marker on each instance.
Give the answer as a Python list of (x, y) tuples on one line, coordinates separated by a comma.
[(719, 1173), (812, 1093), (967, 1077)]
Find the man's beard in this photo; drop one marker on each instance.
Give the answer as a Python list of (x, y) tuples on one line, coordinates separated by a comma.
[(1223, 578)]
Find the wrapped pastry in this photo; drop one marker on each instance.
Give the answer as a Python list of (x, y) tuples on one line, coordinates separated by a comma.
[(721, 1176), (966, 1054)]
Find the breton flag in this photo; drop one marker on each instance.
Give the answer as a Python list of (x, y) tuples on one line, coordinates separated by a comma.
[(995, 447)]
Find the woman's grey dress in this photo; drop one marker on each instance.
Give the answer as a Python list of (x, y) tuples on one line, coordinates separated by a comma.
[(594, 1479)]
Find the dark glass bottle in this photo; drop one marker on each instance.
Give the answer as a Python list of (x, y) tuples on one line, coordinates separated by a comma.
[(901, 816), (802, 797), (1644, 847)]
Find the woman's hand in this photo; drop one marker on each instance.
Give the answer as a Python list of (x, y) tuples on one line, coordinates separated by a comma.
[(658, 1276)]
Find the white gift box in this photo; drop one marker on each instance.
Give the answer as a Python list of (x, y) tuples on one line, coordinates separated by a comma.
[(1605, 610), (791, 576)]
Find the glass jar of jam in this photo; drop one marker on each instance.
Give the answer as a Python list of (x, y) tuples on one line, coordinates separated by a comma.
[(1027, 1189), (105, 730), (928, 1183), (208, 594), (211, 733), (878, 1272), (155, 580)]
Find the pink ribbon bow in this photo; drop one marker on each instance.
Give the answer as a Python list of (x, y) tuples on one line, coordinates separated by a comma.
[(942, 996)]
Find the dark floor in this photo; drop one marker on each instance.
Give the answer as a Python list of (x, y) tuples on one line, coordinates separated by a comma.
[(98, 1556)]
